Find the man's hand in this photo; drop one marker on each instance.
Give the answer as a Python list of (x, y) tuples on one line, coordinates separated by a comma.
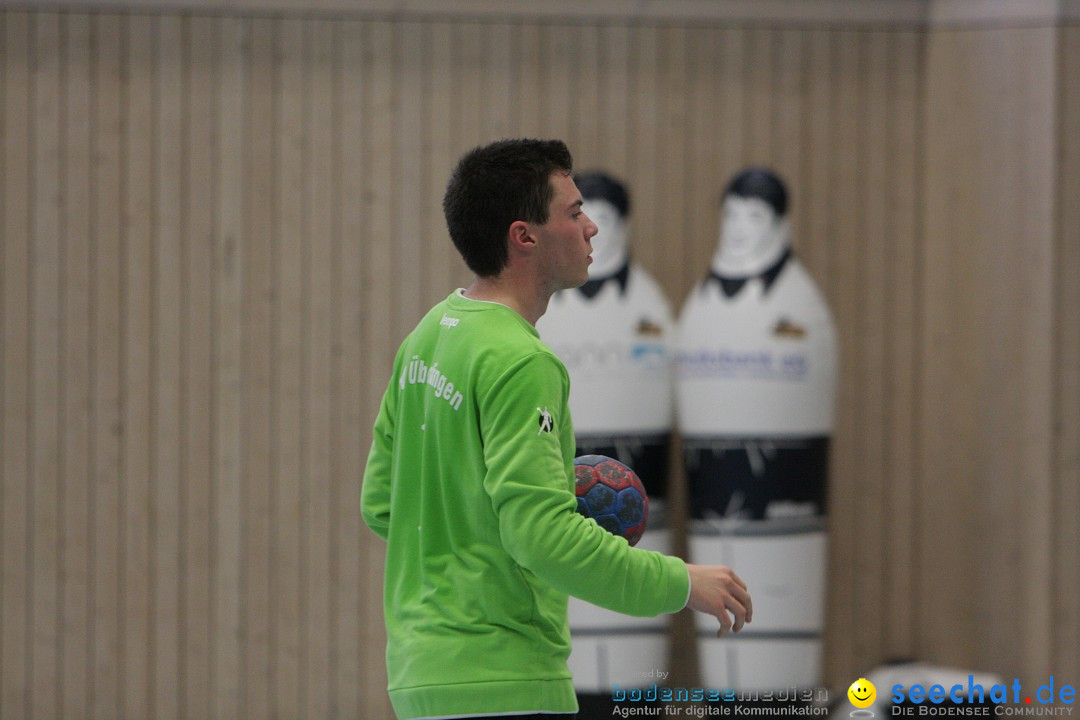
[(718, 591)]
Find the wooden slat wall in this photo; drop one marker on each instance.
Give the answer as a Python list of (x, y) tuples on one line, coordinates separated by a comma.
[(1065, 547), (997, 356), (216, 230)]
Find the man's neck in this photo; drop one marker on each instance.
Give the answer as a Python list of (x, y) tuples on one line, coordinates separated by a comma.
[(518, 296)]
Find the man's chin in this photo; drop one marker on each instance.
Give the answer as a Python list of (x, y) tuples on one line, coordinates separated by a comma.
[(573, 284)]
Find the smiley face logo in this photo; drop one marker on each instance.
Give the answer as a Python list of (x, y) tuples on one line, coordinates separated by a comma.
[(862, 693)]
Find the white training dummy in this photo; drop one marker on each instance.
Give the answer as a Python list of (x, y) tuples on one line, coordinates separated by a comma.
[(756, 366), (613, 335)]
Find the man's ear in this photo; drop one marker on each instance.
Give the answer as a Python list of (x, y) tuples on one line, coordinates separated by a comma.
[(521, 235)]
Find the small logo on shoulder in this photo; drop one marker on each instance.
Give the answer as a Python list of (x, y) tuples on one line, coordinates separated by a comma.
[(449, 322), (547, 423)]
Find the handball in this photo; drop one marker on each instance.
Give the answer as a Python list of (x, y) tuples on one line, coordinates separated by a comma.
[(611, 494)]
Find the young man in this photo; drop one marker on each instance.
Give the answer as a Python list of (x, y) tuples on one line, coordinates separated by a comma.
[(470, 475)]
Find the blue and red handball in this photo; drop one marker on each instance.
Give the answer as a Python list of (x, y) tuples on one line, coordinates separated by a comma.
[(611, 494)]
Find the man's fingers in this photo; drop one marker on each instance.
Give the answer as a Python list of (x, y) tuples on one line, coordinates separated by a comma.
[(738, 604), (747, 605), (718, 591), (738, 580), (740, 619)]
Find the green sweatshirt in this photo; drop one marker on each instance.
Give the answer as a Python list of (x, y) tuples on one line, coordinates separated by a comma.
[(470, 481)]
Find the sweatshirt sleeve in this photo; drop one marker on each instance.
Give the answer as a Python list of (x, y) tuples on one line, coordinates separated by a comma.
[(524, 422)]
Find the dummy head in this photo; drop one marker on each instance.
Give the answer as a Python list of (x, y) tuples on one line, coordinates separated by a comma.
[(753, 223), (608, 205)]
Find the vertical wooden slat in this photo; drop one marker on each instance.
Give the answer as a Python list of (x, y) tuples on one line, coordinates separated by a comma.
[(498, 81), (45, 290), (558, 75), (842, 271), (530, 82), (996, 456), (865, 366), (386, 327), (613, 99), (437, 149), (669, 167), (105, 322), (994, 260), (787, 117), (359, 669), (443, 153), (932, 401), (1067, 282), (702, 151), (468, 110), (1030, 217), (904, 280), (569, 89), (587, 114), (997, 325), (322, 231), (16, 571), (260, 466), (137, 342), (75, 433), (814, 239), (380, 96), (815, 218), (199, 168), (409, 132), (948, 407), (167, 358), (3, 348), (760, 96), (230, 335), (290, 381), (644, 125)]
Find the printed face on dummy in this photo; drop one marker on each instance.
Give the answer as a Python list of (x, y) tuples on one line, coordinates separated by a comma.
[(609, 246), (752, 237), (563, 246)]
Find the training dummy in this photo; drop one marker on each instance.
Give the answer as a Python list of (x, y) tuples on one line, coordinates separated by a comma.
[(756, 356)]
